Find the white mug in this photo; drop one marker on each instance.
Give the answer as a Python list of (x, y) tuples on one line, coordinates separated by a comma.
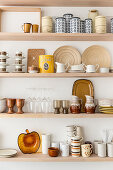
[(102, 149), (86, 150), (96, 146), (61, 68), (104, 70), (45, 143), (71, 128), (65, 150), (110, 149), (91, 68)]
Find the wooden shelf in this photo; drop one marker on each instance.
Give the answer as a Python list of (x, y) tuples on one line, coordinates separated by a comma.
[(52, 115), (5, 36), (80, 3), (38, 157), (54, 75)]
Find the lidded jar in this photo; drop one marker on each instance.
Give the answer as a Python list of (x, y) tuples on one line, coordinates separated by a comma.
[(75, 106), (89, 105)]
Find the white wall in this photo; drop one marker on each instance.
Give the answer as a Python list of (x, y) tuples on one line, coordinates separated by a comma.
[(11, 128)]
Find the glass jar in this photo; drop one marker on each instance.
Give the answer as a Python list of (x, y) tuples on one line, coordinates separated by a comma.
[(75, 106), (89, 105)]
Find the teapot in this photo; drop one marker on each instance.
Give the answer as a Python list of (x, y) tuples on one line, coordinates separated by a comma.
[(61, 68)]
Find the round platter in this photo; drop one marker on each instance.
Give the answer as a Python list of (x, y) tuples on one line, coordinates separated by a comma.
[(67, 54), (96, 55)]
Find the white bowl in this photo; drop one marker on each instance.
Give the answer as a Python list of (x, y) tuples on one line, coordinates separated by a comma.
[(2, 109)]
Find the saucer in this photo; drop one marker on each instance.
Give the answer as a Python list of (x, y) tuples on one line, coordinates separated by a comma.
[(76, 71)]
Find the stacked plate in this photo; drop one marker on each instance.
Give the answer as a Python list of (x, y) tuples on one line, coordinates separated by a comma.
[(3, 61), (76, 69), (106, 106), (18, 62), (100, 24)]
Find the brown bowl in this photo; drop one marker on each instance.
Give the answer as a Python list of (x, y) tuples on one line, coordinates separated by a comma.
[(53, 152)]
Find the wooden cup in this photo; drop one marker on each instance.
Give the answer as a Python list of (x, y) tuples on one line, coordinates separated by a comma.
[(35, 28), (20, 104), (26, 27), (10, 105)]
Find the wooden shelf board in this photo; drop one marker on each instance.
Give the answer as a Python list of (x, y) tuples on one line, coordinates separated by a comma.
[(54, 75), (8, 36), (38, 157), (80, 3), (52, 115)]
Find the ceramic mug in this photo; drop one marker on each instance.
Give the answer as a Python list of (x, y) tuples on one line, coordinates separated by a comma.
[(55, 144), (86, 150), (102, 149), (91, 68), (70, 128), (61, 68), (96, 146), (76, 140), (45, 143), (65, 150), (110, 149), (76, 67), (104, 70), (35, 28), (26, 27)]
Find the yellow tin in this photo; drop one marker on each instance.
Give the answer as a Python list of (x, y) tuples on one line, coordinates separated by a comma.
[(46, 63)]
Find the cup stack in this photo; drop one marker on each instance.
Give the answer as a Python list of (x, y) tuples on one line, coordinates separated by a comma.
[(47, 24), (75, 146), (100, 24), (71, 130), (3, 60), (18, 62)]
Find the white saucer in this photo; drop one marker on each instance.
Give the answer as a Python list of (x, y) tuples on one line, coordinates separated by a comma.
[(7, 153), (76, 71)]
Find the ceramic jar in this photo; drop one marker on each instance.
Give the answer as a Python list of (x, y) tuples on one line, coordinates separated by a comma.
[(45, 143), (60, 25), (102, 149), (65, 150), (68, 17), (47, 24), (46, 63), (75, 106), (111, 25), (110, 149), (92, 14), (89, 105), (18, 61), (100, 24), (75, 25), (88, 25), (82, 26)]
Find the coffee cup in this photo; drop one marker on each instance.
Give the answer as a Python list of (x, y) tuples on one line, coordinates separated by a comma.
[(110, 149), (91, 68), (26, 27), (102, 149), (35, 28), (104, 70), (86, 150)]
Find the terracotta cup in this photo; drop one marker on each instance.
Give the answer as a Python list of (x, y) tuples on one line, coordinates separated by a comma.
[(26, 27), (10, 105), (35, 28), (20, 104)]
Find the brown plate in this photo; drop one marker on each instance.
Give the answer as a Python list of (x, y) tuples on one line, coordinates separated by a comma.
[(82, 88)]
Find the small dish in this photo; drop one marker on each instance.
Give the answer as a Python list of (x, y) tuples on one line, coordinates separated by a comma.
[(7, 153), (53, 152)]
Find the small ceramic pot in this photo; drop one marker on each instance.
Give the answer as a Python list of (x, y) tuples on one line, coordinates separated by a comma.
[(18, 54), (19, 104), (53, 152), (33, 69), (10, 105)]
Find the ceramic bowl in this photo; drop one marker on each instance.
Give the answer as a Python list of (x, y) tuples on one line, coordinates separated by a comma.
[(2, 101), (53, 152), (2, 108)]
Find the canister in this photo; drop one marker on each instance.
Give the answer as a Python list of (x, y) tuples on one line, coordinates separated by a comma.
[(75, 25), (46, 63), (88, 25), (111, 25), (60, 25), (68, 17), (47, 24), (82, 26)]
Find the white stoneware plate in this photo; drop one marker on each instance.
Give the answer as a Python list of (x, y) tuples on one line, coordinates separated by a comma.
[(7, 153)]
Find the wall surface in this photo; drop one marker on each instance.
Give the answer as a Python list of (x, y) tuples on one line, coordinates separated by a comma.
[(11, 128)]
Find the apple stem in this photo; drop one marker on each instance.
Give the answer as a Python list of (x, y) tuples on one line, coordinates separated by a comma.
[(27, 131)]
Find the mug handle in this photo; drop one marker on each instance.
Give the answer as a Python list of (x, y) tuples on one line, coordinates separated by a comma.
[(84, 67), (91, 148), (67, 65), (97, 66), (22, 27)]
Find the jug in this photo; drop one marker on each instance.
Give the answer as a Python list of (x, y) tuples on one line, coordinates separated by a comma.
[(61, 68)]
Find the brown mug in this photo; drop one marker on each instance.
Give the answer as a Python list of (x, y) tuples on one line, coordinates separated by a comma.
[(26, 27), (35, 28)]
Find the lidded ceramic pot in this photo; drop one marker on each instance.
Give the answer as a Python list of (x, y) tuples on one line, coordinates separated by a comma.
[(3, 61), (89, 105), (47, 24)]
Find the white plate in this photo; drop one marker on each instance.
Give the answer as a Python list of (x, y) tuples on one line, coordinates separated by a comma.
[(7, 153), (76, 71)]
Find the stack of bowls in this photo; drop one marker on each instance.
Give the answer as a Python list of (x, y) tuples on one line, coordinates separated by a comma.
[(18, 62), (100, 24), (2, 105), (3, 60), (47, 24)]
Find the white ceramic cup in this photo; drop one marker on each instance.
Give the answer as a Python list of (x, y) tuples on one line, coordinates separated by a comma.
[(96, 146), (55, 144), (104, 70), (65, 150), (86, 150), (62, 143), (91, 68), (76, 67), (102, 149), (76, 141), (70, 128), (45, 143), (110, 149)]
